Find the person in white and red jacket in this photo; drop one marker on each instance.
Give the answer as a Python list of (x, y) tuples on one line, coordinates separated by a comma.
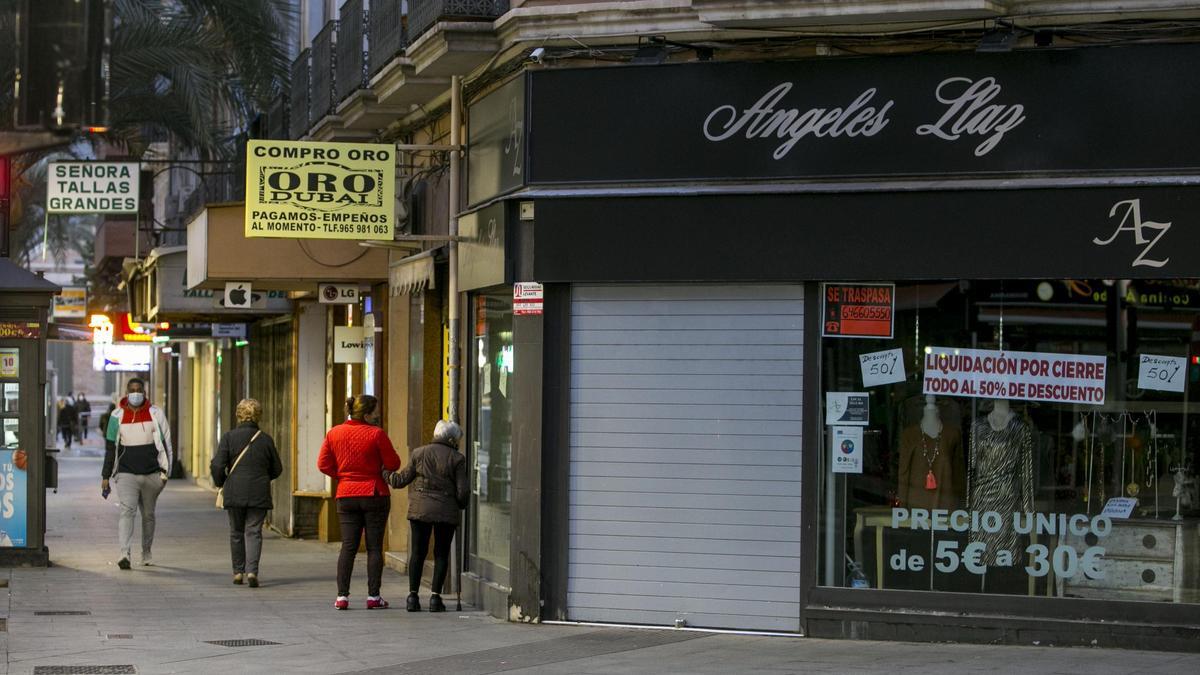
[(137, 459)]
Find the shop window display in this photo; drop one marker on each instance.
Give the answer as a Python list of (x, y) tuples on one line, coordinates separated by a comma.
[(1018, 437), (490, 432)]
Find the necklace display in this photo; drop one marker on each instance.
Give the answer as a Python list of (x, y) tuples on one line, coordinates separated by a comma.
[(1134, 462), (1132, 487), (930, 480)]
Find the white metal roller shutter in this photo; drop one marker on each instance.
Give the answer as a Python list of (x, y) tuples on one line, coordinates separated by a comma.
[(685, 455)]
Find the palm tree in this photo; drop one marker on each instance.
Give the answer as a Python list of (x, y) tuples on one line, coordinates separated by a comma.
[(192, 71), (197, 70)]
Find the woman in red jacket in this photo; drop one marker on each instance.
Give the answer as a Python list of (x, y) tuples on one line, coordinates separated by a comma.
[(356, 453)]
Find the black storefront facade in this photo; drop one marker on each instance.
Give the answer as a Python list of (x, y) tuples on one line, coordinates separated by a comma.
[(990, 259)]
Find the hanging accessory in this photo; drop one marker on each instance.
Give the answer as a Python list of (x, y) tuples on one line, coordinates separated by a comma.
[(1132, 488), (1091, 448), (1152, 458), (930, 480)]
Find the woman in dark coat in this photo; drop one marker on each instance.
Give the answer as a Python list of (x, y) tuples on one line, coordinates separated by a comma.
[(247, 487), (438, 474)]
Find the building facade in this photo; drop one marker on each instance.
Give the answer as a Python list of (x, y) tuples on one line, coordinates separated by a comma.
[(867, 321)]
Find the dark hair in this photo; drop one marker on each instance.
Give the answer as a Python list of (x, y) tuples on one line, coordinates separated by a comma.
[(135, 379), (358, 407)]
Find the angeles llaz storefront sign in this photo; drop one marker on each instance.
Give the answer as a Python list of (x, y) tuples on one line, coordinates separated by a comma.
[(1098, 109), (308, 190)]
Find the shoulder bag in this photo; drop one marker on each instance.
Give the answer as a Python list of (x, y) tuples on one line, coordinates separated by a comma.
[(221, 490)]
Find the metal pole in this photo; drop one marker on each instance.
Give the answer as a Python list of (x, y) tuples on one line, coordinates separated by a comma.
[(452, 291)]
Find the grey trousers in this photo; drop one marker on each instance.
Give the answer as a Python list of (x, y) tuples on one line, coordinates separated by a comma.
[(137, 493), (245, 538)]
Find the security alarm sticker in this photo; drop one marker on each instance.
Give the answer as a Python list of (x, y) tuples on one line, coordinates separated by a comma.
[(857, 310), (842, 407), (847, 450), (527, 298), (886, 367), (309, 190), (1162, 373)]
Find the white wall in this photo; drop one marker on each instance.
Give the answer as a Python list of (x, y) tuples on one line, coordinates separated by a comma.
[(311, 416)]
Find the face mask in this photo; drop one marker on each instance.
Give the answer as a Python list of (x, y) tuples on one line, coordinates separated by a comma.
[(137, 398)]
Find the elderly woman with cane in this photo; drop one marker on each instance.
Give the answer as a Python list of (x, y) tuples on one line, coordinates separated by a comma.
[(438, 475)]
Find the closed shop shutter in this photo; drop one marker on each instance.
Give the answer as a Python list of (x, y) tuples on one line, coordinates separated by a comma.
[(685, 455)]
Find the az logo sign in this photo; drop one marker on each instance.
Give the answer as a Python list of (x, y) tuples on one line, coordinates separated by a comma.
[(1138, 227)]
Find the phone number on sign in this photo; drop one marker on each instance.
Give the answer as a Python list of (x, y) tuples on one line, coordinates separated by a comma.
[(867, 312)]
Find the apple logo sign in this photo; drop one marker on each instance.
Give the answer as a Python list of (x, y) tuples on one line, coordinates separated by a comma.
[(237, 295)]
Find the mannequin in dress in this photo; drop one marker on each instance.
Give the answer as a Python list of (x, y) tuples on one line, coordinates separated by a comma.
[(1001, 477), (932, 471)]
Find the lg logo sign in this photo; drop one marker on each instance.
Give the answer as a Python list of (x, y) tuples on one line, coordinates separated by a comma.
[(337, 294)]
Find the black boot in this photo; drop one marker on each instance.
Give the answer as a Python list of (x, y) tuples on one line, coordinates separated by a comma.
[(436, 604), (414, 603)]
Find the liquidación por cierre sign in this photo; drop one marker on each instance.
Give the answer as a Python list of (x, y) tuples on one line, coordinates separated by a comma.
[(92, 187)]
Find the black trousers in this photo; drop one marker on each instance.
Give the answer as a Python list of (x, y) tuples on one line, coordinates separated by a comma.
[(356, 515), (245, 537), (418, 547)]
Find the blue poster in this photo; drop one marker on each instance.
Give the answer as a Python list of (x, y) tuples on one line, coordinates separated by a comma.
[(14, 481)]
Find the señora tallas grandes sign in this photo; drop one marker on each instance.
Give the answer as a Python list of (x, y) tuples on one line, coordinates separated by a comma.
[(1028, 376), (92, 187), (304, 190)]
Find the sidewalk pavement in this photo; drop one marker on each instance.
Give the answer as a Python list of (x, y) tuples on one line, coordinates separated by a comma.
[(165, 618)]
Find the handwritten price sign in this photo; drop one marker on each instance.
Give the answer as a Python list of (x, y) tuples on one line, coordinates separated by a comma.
[(1162, 373), (886, 367)]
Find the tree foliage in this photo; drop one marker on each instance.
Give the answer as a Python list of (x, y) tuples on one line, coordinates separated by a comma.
[(196, 70)]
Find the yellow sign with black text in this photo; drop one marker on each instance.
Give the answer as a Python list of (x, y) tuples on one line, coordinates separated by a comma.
[(309, 190)]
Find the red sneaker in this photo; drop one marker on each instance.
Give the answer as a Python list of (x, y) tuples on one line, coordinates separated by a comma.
[(377, 603), (341, 603)]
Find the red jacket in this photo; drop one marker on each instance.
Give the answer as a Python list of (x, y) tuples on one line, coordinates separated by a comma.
[(356, 453)]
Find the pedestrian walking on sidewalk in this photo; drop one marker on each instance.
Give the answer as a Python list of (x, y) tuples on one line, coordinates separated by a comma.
[(356, 453), (438, 475), (244, 466), (84, 409), (137, 458), (67, 418)]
